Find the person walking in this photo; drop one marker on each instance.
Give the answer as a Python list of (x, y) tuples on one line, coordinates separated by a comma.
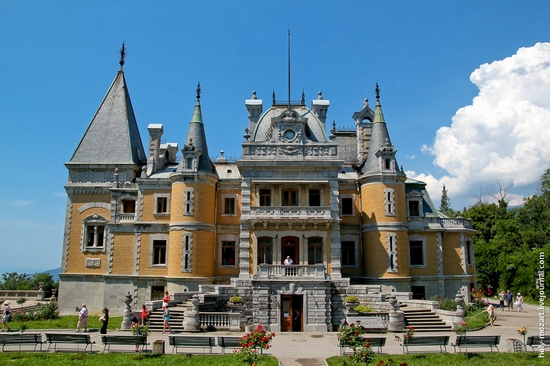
[(144, 314), (502, 296), (104, 319), (519, 302), (6, 315), (491, 311), (82, 319), (166, 318), (510, 300)]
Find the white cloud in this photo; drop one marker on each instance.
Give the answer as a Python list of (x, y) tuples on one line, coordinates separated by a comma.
[(504, 135), (19, 203)]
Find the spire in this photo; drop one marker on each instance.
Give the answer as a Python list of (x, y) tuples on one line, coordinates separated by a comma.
[(380, 145), (113, 135), (197, 113), (196, 136), (378, 115)]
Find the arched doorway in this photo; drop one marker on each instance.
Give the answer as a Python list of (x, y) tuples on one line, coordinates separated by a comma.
[(290, 246)]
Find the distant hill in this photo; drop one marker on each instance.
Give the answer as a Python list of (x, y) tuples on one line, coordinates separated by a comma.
[(54, 272)]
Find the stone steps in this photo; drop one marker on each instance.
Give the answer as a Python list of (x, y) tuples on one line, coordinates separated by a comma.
[(176, 319), (423, 320)]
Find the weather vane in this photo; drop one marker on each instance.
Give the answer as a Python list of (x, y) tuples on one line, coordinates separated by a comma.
[(199, 91), (377, 90), (122, 55)]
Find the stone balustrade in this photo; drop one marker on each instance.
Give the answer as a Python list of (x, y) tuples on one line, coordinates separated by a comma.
[(273, 271), (289, 212), (29, 295)]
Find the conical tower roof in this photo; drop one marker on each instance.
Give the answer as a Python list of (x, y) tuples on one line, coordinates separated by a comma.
[(113, 135), (380, 139), (197, 137)]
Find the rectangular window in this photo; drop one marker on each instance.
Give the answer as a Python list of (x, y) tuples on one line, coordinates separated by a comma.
[(265, 197), (229, 205), (128, 206), (228, 253), (348, 253), (187, 246), (389, 202), (290, 197), (159, 252), (392, 252), (188, 202), (314, 197), (416, 252), (162, 204), (95, 236), (388, 163), (189, 163), (414, 208), (315, 250), (347, 206), (265, 250)]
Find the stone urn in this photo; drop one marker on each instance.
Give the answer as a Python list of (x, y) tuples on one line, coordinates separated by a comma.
[(127, 314), (397, 318)]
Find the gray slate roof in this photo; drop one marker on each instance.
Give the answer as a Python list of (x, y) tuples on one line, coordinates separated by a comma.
[(113, 135)]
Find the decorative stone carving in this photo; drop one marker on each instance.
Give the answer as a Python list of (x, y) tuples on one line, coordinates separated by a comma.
[(397, 318), (127, 314), (191, 315)]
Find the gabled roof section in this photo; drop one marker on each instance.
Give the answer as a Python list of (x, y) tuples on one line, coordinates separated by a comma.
[(113, 135)]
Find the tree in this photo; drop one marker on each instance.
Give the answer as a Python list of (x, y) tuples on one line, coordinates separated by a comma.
[(445, 205), (15, 281)]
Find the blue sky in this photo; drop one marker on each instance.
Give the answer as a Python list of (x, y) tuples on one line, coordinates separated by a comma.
[(464, 88)]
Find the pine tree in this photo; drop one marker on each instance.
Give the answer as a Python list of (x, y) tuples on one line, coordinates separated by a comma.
[(445, 205)]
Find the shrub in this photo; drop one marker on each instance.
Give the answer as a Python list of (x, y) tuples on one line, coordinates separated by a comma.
[(362, 309), (350, 335), (236, 299), (351, 299), (259, 338)]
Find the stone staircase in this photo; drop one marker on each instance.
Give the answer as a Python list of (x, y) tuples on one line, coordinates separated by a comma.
[(176, 318), (424, 320)]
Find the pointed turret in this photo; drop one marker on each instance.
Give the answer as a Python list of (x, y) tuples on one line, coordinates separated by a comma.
[(112, 136), (381, 154), (196, 141)]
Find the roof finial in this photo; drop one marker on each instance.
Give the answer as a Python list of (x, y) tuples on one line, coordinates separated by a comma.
[(122, 55), (199, 91), (377, 90)]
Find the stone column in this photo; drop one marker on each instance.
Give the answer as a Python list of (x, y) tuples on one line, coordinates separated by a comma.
[(191, 315), (127, 314), (397, 317)]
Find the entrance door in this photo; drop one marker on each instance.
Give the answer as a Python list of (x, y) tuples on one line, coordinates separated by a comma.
[(290, 249), (291, 313)]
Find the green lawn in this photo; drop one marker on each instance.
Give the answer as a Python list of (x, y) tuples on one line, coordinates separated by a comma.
[(68, 322), (118, 359), (433, 359)]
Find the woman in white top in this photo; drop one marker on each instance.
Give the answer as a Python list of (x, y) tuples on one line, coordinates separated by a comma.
[(6, 316)]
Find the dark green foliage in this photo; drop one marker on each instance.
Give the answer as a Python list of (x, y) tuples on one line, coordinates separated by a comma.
[(508, 242), (24, 281)]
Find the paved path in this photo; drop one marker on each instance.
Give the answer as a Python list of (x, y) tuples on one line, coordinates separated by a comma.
[(311, 349)]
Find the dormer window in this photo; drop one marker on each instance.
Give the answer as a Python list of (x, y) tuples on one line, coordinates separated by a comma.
[(387, 163)]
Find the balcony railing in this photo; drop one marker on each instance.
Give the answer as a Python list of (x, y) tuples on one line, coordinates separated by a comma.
[(451, 222), (281, 271), (288, 212), (127, 217)]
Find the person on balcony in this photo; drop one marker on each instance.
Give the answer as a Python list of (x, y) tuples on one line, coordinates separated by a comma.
[(288, 261)]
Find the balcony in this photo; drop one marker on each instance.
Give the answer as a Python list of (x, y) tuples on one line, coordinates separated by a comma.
[(289, 212), (449, 223), (294, 272), (126, 217)]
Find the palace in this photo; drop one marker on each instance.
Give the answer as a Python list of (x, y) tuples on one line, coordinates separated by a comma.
[(145, 221)]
